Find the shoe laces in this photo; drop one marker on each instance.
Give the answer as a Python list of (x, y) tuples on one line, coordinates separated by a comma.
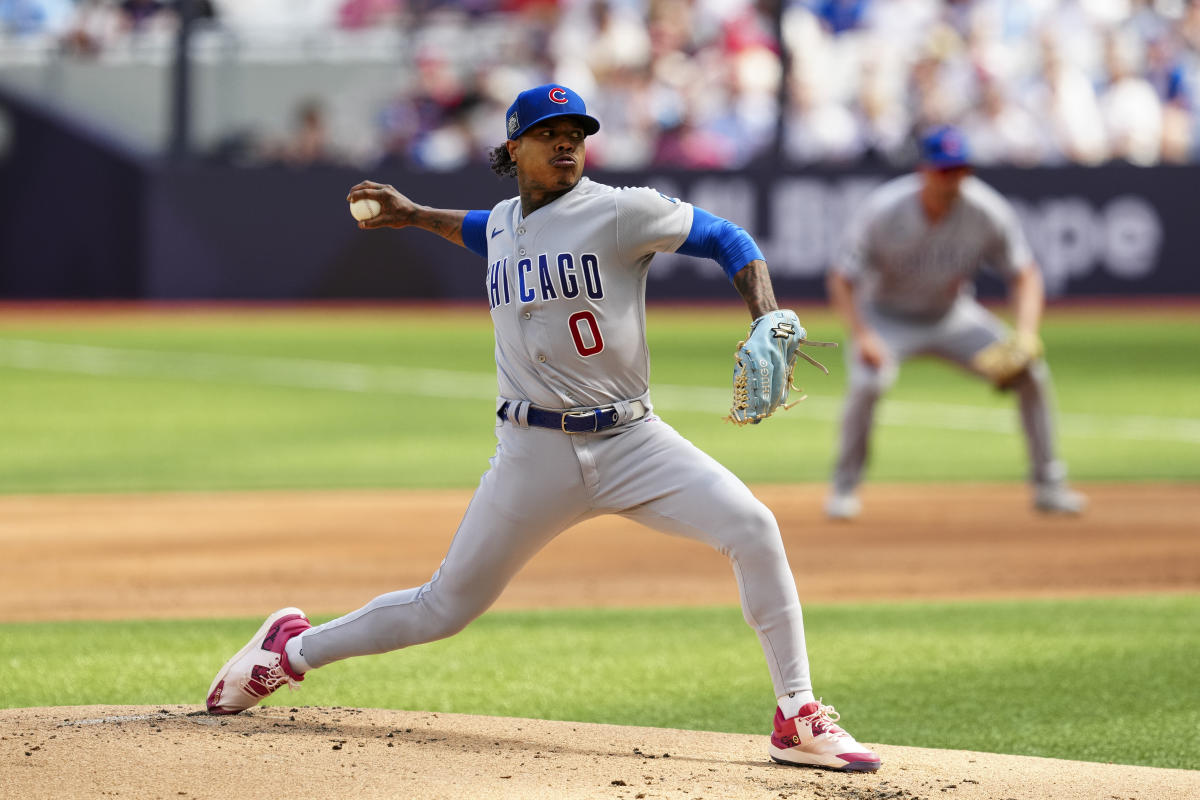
[(271, 679), (824, 720)]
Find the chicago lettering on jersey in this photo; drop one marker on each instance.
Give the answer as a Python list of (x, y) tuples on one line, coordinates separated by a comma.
[(542, 278)]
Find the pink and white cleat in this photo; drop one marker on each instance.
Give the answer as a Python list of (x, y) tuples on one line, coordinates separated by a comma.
[(260, 667), (811, 739)]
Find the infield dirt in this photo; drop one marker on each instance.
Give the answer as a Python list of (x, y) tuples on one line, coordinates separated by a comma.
[(169, 555)]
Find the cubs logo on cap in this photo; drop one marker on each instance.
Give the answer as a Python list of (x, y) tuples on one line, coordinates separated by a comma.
[(544, 102), (945, 147)]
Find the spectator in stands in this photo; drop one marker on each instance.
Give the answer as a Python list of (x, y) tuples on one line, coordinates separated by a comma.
[(96, 24), (902, 24), (429, 128), (941, 80), (1189, 34), (1130, 106), (677, 26), (309, 142), (1063, 98), (610, 41), (691, 145), (1000, 130), (604, 48), (636, 108), (819, 129), (696, 82), (882, 121), (1166, 70)]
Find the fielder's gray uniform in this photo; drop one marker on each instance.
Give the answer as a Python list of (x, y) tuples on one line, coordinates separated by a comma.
[(913, 283), (566, 288)]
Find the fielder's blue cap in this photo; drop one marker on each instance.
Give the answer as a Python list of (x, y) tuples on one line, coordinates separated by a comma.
[(945, 147), (543, 102)]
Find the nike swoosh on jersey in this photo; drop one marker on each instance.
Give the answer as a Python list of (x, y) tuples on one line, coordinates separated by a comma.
[(496, 232)]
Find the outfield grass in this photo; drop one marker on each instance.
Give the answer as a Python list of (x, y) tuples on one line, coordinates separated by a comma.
[(1106, 679), (404, 397)]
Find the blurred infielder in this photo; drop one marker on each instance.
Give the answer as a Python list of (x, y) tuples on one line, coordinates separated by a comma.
[(566, 277), (903, 285)]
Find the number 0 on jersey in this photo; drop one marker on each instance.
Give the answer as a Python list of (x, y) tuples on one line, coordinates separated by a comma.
[(580, 333)]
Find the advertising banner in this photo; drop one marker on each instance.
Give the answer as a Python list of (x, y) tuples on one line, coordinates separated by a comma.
[(83, 217)]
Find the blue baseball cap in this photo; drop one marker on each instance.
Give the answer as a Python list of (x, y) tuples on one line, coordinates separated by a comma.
[(543, 102), (945, 147)]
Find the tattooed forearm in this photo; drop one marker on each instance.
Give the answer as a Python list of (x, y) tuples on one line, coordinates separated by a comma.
[(754, 285), (445, 223)]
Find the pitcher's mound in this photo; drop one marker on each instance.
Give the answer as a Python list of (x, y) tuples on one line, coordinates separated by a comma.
[(304, 752)]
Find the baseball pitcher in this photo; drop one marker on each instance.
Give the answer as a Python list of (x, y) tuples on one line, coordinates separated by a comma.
[(903, 286), (565, 279)]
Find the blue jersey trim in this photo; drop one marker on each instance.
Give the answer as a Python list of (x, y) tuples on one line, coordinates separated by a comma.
[(721, 240), (474, 232)]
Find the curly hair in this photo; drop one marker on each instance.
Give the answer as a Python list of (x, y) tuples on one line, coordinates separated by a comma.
[(502, 163)]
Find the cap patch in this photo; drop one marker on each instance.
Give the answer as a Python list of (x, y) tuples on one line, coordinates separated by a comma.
[(513, 124), (557, 95)]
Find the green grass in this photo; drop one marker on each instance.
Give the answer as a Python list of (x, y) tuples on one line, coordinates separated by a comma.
[(1099, 679), (1103, 679), (196, 414)]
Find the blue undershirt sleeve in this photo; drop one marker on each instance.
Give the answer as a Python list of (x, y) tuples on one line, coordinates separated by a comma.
[(722, 241), (474, 232)]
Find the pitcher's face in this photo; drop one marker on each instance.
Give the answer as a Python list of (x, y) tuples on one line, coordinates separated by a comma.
[(550, 155)]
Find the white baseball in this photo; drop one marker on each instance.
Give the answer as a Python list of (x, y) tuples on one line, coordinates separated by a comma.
[(365, 209)]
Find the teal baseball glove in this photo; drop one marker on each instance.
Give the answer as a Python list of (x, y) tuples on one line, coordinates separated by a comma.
[(764, 365)]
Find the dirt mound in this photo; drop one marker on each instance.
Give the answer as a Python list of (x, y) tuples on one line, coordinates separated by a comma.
[(106, 557), (181, 752)]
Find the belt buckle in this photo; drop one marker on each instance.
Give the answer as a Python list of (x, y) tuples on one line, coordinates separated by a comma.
[(581, 415)]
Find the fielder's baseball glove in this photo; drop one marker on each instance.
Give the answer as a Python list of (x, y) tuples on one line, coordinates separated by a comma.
[(764, 364), (1004, 362)]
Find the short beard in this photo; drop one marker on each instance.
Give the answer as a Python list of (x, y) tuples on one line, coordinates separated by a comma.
[(502, 162)]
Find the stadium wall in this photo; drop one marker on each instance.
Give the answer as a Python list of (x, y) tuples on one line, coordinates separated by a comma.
[(82, 216)]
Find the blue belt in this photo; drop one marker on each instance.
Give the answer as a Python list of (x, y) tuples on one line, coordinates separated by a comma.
[(590, 421)]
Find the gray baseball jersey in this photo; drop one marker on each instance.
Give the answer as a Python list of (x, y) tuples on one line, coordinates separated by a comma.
[(567, 292), (566, 286), (903, 264), (915, 289)]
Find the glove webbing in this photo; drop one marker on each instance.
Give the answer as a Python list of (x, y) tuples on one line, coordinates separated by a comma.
[(741, 389)]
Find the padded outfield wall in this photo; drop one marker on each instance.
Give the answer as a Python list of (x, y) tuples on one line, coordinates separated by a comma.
[(82, 216)]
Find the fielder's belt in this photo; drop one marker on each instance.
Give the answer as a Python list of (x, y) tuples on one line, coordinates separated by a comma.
[(579, 421)]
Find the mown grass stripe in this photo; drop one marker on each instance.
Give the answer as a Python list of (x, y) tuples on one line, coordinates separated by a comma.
[(364, 378)]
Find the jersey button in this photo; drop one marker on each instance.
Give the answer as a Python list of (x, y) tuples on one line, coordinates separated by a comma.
[(527, 315), (542, 359), (521, 251), (521, 231)]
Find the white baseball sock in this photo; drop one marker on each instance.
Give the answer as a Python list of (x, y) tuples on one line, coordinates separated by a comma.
[(294, 650), (789, 704)]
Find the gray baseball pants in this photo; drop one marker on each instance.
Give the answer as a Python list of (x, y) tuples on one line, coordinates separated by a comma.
[(540, 483), (956, 336)]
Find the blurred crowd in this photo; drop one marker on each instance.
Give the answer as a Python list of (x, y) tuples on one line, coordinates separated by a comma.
[(726, 83)]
